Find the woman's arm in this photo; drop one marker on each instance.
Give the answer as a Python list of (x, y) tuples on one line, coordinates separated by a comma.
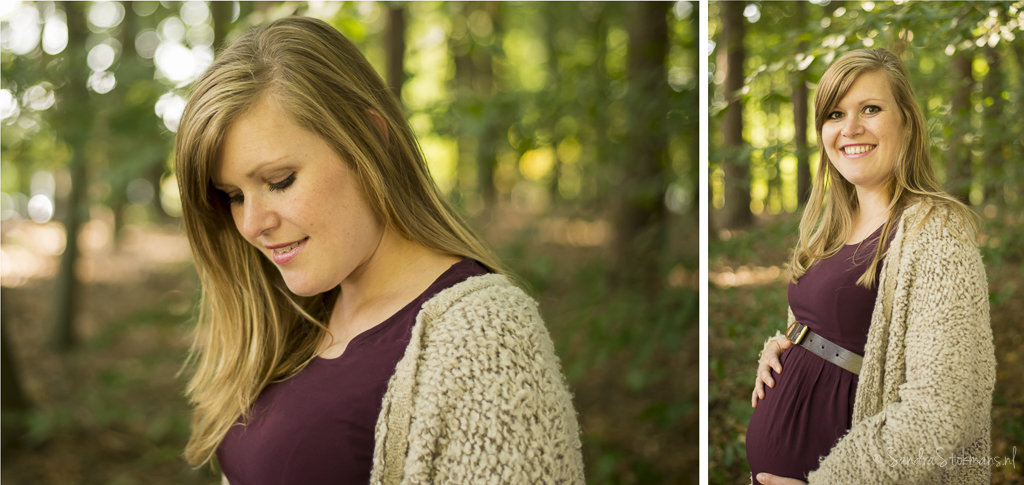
[(940, 323)]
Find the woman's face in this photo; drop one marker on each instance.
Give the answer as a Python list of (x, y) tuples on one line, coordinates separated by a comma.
[(295, 200), (864, 132)]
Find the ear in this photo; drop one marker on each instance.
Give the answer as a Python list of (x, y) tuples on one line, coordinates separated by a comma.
[(377, 119)]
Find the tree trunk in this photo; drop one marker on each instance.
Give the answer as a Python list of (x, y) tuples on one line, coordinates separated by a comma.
[(640, 228), (958, 165), (13, 402), (550, 32), (459, 49), (995, 132), (483, 86), (694, 100), (221, 13), (803, 158), (772, 162), (394, 45), (75, 127), (736, 165)]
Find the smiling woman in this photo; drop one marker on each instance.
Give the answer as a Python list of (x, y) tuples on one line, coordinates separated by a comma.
[(863, 136), (289, 194), (888, 352), (353, 328)]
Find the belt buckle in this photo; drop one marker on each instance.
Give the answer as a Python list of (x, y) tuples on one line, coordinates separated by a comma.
[(801, 329)]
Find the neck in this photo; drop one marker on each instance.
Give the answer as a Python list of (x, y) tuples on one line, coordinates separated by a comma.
[(394, 260), (872, 204), (396, 272)]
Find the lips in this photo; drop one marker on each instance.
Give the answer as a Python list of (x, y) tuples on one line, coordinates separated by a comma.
[(283, 253), (287, 248), (857, 149)]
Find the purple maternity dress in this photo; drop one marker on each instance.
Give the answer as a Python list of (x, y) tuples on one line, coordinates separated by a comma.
[(811, 405), (318, 425)]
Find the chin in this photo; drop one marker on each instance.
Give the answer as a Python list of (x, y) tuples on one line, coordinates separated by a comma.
[(304, 288)]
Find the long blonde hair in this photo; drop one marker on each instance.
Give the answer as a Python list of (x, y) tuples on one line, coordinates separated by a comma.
[(827, 221), (251, 330)]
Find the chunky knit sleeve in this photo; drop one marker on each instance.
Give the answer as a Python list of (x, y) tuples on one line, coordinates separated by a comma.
[(490, 403), (925, 395)]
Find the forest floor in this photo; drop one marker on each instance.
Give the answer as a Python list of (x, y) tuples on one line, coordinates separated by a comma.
[(747, 304), (112, 411)]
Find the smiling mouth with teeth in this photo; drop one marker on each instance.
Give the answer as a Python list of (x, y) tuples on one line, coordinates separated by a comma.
[(288, 248), (855, 149)]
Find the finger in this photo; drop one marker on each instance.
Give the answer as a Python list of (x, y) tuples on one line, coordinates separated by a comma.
[(769, 479), (775, 364), (753, 399), (766, 377)]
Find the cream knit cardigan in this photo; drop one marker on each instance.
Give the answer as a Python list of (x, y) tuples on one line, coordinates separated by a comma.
[(924, 397), (479, 396)]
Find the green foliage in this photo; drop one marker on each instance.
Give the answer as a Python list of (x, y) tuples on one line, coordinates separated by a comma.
[(1014, 428), (747, 246), (621, 349), (972, 151), (1003, 241), (614, 324)]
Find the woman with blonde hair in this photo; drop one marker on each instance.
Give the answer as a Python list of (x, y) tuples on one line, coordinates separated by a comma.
[(352, 327), (888, 356)]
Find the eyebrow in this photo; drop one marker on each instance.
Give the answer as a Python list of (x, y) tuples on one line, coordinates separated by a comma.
[(252, 174), (869, 100)]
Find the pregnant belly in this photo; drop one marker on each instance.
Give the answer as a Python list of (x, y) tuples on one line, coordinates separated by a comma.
[(802, 417)]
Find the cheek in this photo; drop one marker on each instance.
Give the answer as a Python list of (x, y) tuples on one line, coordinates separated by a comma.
[(236, 217), (828, 135), (828, 139)]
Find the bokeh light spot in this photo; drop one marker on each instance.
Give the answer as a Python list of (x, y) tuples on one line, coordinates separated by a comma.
[(101, 57), (55, 35), (146, 43), (102, 82), (40, 208), (104, 15)]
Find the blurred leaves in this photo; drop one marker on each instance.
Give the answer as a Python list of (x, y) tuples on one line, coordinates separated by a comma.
[(926, 36)]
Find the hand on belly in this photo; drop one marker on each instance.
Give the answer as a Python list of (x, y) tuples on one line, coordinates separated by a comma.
[(769, 479), (769, 361)]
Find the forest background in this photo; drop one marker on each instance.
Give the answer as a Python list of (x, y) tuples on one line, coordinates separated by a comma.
[(966, 63), (566, 132)]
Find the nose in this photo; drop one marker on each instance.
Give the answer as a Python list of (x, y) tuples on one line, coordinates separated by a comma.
[(257, 218), (852, 127)]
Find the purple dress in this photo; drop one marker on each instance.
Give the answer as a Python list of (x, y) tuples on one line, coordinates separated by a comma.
[(811, 405), (318, 426)]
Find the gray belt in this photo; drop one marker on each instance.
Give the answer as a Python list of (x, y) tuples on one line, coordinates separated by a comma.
[(799, 334)]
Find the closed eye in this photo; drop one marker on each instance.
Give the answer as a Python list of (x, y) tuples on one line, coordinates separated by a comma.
[(284, 184), (233, 199), (237, 199)]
